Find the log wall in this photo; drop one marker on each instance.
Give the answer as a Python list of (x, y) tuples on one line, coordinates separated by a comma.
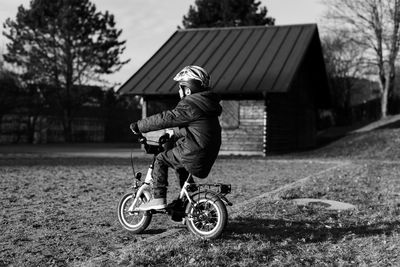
[(247, 136)]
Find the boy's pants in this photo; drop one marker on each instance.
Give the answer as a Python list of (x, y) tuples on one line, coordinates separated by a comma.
[(160, 172)]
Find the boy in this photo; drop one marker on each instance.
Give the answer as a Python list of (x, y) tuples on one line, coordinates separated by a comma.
[(198, 139)]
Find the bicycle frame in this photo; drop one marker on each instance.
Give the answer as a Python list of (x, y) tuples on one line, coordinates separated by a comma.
[(144, 188), (146, 185), (201, 207), (184, 191)]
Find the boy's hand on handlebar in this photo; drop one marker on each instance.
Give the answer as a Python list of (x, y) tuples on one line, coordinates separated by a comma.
[(134, 128)]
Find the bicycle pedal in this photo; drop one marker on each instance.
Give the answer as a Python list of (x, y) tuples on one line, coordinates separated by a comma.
[(161, 211)]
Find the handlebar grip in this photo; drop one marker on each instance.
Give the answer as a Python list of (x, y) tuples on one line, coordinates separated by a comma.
[(142, 139)]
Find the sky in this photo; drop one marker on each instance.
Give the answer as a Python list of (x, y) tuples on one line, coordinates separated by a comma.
[(147, 24)]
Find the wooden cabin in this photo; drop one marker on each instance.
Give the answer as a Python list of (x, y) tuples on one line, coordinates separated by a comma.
[(272, 82)]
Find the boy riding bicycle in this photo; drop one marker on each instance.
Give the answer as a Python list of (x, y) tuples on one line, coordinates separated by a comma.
[(198, 139)]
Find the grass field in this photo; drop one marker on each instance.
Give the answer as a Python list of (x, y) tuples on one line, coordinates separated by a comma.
[(62, 211)]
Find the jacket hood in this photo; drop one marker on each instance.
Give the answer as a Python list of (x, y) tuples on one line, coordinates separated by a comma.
[(206, 101)]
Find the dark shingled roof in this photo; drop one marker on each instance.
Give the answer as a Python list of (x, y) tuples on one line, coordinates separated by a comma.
[(241, 60)]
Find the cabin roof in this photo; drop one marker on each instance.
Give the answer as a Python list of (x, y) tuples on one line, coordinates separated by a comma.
[(240, 60)]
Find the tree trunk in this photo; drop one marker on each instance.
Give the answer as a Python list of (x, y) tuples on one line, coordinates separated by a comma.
[(67, 125), (386, 84), (384, 103), (69, 85), (31, 129), (1, 123), (69, 135), (347, 102)]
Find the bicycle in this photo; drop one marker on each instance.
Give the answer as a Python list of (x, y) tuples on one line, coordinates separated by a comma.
[(201, 207)]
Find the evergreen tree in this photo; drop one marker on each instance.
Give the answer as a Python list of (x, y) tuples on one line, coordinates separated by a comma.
[(63, 45), (9, 92), (226, 13)]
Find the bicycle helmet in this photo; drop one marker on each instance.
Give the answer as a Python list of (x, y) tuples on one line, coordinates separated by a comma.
[(193, 73)]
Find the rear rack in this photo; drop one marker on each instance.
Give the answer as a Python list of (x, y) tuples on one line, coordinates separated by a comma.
[(219, 188)]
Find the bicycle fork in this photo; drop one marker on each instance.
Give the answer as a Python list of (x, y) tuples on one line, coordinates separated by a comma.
[(143, 189)]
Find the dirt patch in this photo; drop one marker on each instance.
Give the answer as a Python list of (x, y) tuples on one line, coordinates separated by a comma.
[(279, 233), (61, 211)]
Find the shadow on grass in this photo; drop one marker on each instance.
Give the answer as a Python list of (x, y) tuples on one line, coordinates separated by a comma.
[(303, 231), (153, 231)]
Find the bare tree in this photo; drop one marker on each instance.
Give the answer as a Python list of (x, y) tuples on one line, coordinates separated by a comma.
[(344, 65), (375, 27)]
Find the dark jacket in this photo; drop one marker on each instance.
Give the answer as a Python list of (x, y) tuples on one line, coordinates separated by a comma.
[(199, 135)]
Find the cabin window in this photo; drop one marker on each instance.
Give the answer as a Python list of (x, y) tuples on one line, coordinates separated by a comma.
[(230, 114)]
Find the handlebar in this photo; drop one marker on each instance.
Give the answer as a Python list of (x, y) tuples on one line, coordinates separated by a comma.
[(141, 138), (153, 149)]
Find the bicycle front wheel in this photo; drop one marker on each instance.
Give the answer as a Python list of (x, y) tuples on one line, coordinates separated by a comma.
[(135, 221), (207, 216)]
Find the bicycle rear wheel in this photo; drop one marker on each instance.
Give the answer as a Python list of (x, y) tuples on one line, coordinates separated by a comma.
[(136, 221), (207, 216)]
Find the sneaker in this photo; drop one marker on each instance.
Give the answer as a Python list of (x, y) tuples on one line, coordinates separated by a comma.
[(154, 204)]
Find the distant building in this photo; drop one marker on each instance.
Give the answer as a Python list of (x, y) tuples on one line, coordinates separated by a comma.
[(49, 129), (272, 81), (88, 124)]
